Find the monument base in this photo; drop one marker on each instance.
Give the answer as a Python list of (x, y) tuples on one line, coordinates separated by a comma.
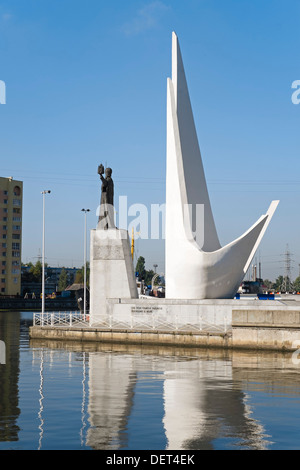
[(243, 324), (111, 270)]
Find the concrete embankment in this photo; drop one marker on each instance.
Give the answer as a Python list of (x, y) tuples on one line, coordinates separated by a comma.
[(155, 337), (266, 329), (259, 327)]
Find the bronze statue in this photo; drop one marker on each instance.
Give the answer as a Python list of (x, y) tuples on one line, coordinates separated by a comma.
[(106, 217)]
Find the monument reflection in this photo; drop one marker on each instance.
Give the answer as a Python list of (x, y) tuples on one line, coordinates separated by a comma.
[(201, 401), (163, 398)]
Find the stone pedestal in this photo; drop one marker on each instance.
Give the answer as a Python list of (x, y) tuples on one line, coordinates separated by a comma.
[(111, 270)]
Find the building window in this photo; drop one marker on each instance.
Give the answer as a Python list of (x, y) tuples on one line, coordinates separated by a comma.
[(3, 263), (16, 202), (16, 227), (3, 280), (15, 271), (5, 210), (17, 191), (3, 271), (5, 201), (15, 211), (5, 193), (3, 245), (4, 219), (4, 227), (15, 246), (3, 289), (4, 254), (16, 236), (17, 219), (15, 254), (15, 280), (4, 236), (15, 263)]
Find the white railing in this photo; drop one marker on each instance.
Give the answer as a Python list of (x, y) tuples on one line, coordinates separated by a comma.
[(139, 321), (60, 319), (158, 322)]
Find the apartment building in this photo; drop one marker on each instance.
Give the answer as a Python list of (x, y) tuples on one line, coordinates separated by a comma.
[(11, 198)]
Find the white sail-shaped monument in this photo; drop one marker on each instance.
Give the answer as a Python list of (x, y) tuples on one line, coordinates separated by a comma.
[(197, 267)]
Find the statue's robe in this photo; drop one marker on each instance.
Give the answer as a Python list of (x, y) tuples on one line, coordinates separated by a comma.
[(106, 217)]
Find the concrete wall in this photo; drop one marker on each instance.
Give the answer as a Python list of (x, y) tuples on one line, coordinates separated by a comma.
[(169, 314), (111, 270), (142, 337), (269, 326), (277, 329)]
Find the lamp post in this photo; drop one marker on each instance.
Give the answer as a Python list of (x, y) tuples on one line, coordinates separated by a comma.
[(43, 256), (84, 282)]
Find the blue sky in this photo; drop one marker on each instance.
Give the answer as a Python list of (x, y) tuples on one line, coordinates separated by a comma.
[(86, 83)]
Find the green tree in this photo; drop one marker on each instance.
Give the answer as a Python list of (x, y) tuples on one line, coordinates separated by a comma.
[(28, 265), (297, 284), (63, 280), (287, 285), (144, 274), (148, 276), (278, 283), (79, 278), (36, 270), (140, 268), (268, 284)]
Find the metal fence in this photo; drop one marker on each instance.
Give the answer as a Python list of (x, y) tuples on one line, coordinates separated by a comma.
[(60, 319), (159, 322), (139, 321)]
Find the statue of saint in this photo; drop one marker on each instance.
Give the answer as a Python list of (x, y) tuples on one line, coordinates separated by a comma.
[(106, 217)]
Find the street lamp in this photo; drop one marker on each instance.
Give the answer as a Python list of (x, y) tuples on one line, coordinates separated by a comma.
[(155, 266), (43, 256), (85, 240)]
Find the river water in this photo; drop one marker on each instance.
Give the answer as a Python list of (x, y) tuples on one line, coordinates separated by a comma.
[(63, 395)]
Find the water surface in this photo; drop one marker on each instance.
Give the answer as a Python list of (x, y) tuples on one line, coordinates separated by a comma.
[(64, 395)]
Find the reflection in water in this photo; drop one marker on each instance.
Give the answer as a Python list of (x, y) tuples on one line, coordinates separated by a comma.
[(84, 392), (112, 380), (205, 398), (200, 402), (9, 374), (41, 408), (101, 396)]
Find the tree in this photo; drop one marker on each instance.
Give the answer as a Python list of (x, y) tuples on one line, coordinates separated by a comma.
[(268, 284), (148, 276), (287, 285), (140, 268), (297, 284), (36, 270), (63, 280), (278, 283), (79, 278)]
